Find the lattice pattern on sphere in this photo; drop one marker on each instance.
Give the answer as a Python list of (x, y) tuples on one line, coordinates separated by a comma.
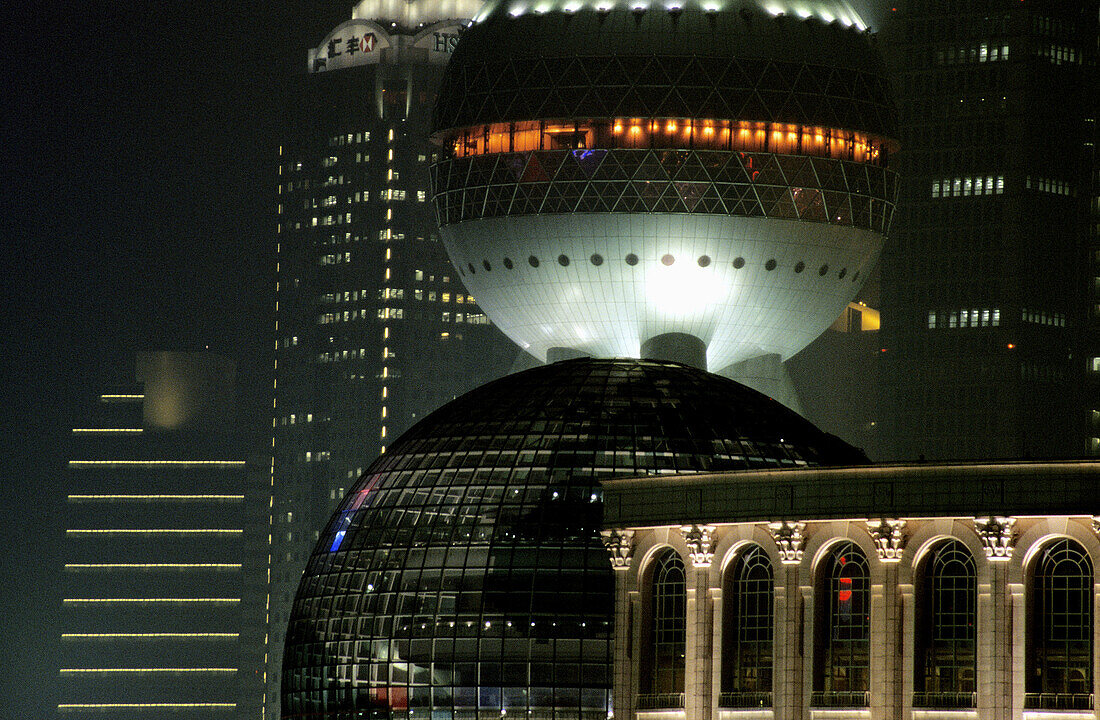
[(525, 88), (464, 571), (684, 181)]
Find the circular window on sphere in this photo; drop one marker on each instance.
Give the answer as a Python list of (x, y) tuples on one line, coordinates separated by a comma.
[(843, 272), (533, 261), (704, 260), (508, 263), (631, 259), (596, 259), (800, 266), (667, 260), (739, 262), (486, 265), (770, 265), (824, 269), (563, 260)]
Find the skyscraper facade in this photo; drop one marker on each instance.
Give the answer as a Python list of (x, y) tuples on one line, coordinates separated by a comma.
[(162, 586), (374, 329), (991, 284)]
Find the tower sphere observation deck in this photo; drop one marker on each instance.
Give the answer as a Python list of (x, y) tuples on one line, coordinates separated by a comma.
[(616, 173)]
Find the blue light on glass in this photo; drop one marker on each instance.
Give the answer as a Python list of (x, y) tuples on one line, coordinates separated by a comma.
[(337, 540)]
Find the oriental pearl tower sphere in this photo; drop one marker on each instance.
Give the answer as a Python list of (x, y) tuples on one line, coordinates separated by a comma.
[(697, 181)]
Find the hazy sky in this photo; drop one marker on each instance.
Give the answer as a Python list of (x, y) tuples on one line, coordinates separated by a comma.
[(135, 181)]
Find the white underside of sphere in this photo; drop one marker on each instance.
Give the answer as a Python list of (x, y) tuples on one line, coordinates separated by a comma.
[(608, 310)]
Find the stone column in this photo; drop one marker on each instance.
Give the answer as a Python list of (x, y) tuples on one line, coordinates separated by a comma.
[(996, 699), (886, 621), (699, 650), (626, 638), (790, 675)]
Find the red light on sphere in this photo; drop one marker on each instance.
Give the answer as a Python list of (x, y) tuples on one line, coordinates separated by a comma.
[(1011, 346)]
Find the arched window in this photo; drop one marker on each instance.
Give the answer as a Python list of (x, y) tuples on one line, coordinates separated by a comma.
[(842, 629), (946, 610), (748, 622), (664, 675), (1059, 632)]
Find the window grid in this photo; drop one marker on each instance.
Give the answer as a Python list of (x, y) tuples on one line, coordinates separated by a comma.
[(1062, 621), (669, 624), (946, 650), (845, 653), (748, 647)]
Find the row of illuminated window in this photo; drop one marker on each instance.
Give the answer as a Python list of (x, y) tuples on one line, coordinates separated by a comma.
[(326, 220), (295, 418), (1043, 317), (976, 52), (698, 134), (1060, 54), (984, 317), (421, 195), (289, 341), (349, 138), (391, 313), (968, 186), (334, 258), (319, 456), (1057, 187)]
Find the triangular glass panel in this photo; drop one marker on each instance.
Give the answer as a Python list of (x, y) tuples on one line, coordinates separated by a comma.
[(809, 204), (783, 207), (690, 193), (773, 79), (611, 74), (650, 169), (838, 208), (808, 81), (691, 169)]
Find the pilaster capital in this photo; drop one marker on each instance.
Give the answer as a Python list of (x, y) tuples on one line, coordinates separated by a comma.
[(620, 547), (789, 539), (1096, 524), (889, 536), (699, 540), (997, 535)]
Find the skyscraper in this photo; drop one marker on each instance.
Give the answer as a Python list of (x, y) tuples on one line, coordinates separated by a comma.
[(162, 594), (685, 182), (991, 284), (374, 329)]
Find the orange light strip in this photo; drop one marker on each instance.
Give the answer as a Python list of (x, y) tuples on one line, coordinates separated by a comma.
[(678, 133)]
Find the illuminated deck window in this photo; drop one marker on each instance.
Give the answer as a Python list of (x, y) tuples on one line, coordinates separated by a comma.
[(70, 671), (153, 566), (214, 600), (155, 498), (76, 464), (155, 531), (142, 706), (108, 431), (678, 133), (151, 636)]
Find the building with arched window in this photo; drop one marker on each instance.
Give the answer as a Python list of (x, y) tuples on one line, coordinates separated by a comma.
[(916, 592)]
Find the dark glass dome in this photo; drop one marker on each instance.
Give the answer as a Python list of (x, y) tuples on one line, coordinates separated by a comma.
[(464, 577)]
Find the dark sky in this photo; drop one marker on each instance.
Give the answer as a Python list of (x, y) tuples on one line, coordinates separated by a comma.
[(136, 166)]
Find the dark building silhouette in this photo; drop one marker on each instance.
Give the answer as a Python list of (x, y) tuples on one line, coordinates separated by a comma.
[(991, 281)]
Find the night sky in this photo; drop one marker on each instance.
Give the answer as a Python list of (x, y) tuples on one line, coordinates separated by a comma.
[(137, 170), (136, 174)]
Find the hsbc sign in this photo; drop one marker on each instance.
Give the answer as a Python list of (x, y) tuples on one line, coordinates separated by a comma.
[(356, 42)]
